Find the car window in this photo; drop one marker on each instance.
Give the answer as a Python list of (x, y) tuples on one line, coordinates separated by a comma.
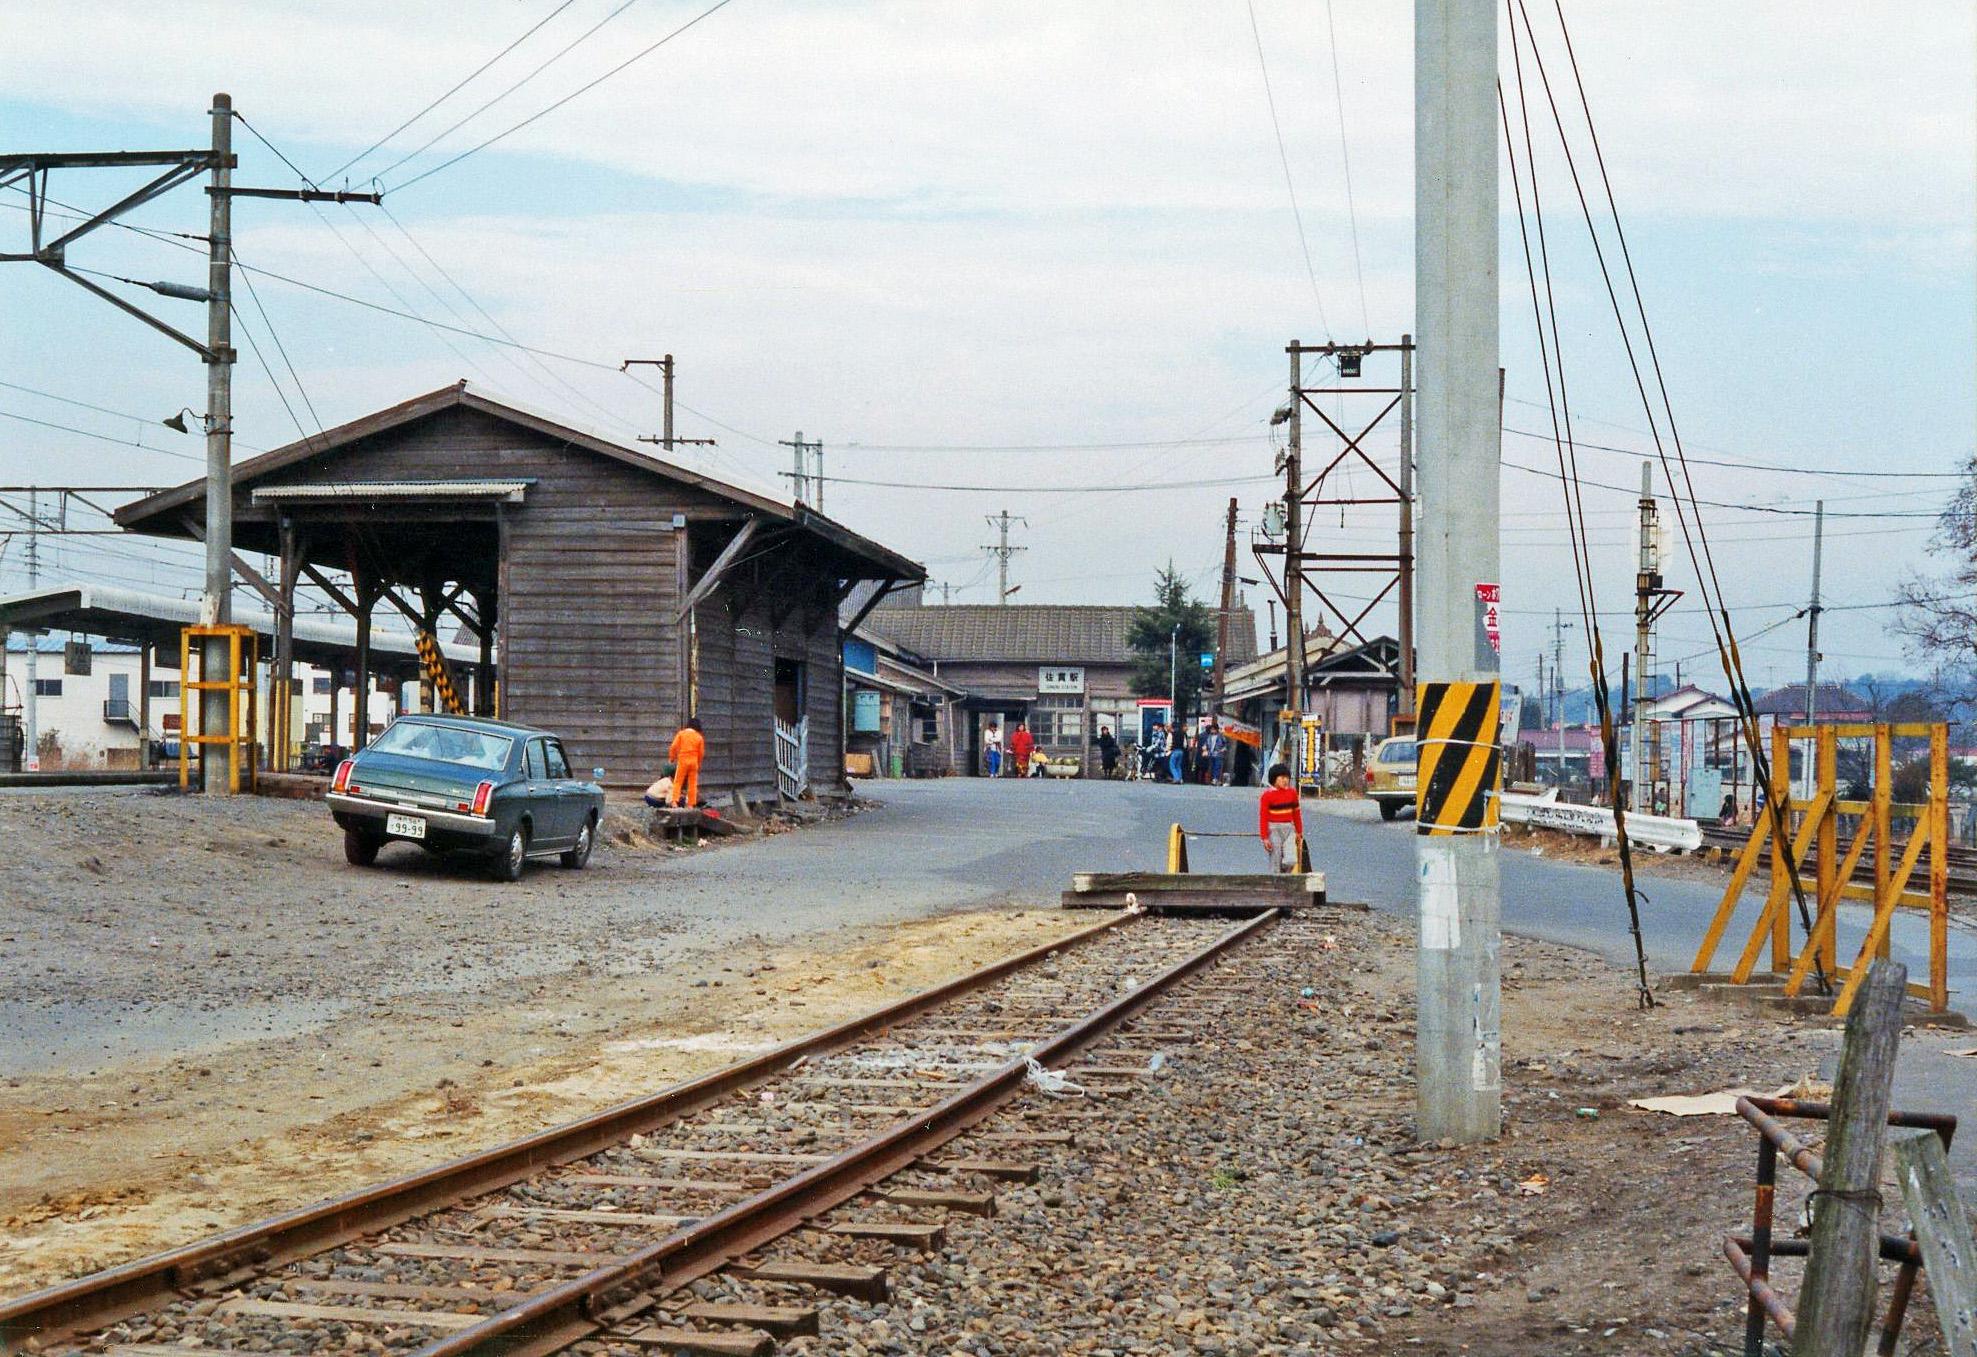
[(558, 765), (445, 744), (1397, 751), (536, 767)]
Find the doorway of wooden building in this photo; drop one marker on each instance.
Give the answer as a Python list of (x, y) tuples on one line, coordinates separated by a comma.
[(789, 691)]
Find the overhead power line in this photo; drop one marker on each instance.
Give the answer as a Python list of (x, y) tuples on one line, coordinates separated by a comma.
[(640, 55), (471, 76), (1284, 158)]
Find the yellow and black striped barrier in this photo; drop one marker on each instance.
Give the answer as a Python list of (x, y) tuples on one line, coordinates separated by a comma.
[(437, 674), (1459, 768)]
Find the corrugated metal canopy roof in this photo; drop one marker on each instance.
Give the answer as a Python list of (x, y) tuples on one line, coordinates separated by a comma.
[(1044, 633)]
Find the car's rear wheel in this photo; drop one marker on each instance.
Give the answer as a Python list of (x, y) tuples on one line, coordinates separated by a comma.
[(1389, 809), (360, 849), (579, 853), (514, 858)]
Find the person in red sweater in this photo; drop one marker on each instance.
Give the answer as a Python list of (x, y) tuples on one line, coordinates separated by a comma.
[(1021, 743), (1280, 821)]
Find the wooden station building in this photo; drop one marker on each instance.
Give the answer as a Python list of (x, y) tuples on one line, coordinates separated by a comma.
[(611, 594)]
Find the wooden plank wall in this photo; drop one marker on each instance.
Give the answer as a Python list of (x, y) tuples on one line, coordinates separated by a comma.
[(592, 651)]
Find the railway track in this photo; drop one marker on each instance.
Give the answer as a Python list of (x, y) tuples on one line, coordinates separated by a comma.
[(790, 1176), (1962, 861)]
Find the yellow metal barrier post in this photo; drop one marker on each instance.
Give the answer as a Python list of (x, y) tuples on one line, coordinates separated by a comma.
[(1939, 866), (243, 703), (1177, 850)]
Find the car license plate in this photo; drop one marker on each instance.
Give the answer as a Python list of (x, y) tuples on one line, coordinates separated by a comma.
[(405, 826), (1405, 782)]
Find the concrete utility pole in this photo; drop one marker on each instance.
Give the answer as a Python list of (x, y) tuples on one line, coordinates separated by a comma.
[(1458, 1058), (30, 723), (1812, 617), (1002, 551), (1404, 631), (665, 438), (1292, 729), (216, 606), (1647, 581), (1228, 603), (28, 172), (1559, 626), (801, 474)]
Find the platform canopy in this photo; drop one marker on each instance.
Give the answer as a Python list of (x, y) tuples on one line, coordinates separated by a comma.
[(156, 619)]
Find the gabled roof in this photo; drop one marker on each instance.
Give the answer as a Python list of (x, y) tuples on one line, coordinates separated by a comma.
[(1834, 700), (1039, 633), (154, 512)]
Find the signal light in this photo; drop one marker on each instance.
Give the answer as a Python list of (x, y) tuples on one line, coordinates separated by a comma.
[(341, 782)]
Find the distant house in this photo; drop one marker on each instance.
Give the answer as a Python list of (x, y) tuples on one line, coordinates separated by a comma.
[(900, 717), (1065, 670), (1354, 690), (1686, 703), (1835, 703)]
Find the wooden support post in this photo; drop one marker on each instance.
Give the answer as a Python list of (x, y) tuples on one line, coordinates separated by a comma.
[(360, 720), (282, 708), (1937, 817), (143, 703), (1884, 855), (1836, 1302), (1782, 862), (484, 674), (1922, 1167)]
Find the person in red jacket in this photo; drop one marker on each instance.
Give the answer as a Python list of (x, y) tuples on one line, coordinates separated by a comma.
[(1021, 743), (1280, 821)]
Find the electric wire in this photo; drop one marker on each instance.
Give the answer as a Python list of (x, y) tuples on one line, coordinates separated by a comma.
[(640, 55), (549, 61), (1345, 162), (1695, 539), (1290, 184), (1552, 354), (473, 75)]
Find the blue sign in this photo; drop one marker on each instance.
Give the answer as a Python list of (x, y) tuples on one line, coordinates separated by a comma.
[(1207, 659)]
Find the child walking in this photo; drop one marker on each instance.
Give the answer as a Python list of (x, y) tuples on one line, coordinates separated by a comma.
[(1280, 821)]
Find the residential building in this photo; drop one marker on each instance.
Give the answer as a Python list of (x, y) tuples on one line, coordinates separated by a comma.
[(1065, 670), (900, 720)]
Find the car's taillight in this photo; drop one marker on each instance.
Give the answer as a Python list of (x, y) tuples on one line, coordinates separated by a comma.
[(341, 782), (1369, 777), (482, 795)]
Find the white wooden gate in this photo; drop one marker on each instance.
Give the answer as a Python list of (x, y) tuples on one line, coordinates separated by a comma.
[(793, 758)]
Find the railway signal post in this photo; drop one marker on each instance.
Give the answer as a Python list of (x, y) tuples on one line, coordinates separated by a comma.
[(1458, 1065)]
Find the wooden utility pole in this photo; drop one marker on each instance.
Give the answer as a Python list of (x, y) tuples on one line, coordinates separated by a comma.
[(1836, 1303), (1228, 604), (665, 439), (801, 474)]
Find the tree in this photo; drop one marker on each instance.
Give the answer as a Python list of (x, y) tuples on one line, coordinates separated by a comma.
[(1154, 642), (1939, 614)]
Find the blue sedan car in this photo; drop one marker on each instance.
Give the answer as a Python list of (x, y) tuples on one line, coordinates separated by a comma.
[(456, 784)]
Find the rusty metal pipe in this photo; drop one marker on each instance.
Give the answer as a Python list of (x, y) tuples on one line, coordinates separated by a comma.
[(1761, 1295)]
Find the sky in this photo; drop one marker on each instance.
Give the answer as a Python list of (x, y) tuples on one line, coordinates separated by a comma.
[(1044, 250)]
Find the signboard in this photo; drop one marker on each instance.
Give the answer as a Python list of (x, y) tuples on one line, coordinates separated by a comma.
[(1207, 659), (864, 712), (1061, 679), (1489, 620), (1240, 732), (1509, 709)]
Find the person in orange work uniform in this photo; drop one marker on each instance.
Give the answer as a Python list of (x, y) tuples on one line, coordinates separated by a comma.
[(1280, 821), (689, 747)]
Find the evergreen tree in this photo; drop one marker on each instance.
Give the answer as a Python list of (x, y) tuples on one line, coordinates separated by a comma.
[(1152, 638)]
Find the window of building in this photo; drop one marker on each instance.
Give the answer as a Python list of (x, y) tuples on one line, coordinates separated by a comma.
[(47, 687), (320, 685), (164, 687)]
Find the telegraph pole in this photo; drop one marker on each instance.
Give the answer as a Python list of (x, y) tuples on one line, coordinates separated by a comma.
[(30, 723), (1228, 602), (216, 607), (801, 474), (665, 438), (1405, 629), (1812, 617), (1002, 551), (1647, 579), (29, 172), (1291, 732), (1458, 1042), (1559, 626)]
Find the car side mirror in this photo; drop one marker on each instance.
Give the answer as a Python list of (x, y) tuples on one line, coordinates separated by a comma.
[(597, 775)]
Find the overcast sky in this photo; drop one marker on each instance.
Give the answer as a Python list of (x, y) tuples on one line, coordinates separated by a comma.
[(933, 234)]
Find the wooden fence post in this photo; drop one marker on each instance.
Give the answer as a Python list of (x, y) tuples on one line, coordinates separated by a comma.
[(1836, 1302), (1948, 1254)]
